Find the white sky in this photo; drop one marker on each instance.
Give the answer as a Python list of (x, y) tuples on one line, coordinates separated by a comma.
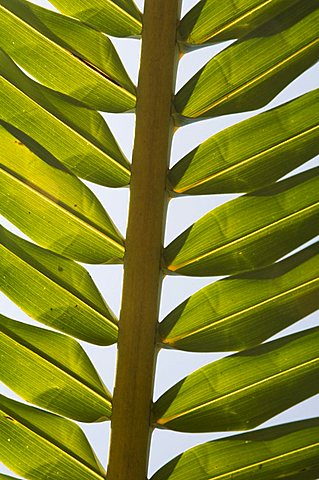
[(172, 365)]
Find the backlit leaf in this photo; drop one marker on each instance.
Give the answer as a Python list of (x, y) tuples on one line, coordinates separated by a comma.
[(54, 290), (52, 371), (65, 55), (6, 477), (285, 451), (243, 311), (212, 21), (252, 153), (120, 18), (243, 390), (52, 206), (252, 71), (251, 231), (37, 444), (76, 135)]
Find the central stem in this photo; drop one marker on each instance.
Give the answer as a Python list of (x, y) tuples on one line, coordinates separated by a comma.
[(130, 435)]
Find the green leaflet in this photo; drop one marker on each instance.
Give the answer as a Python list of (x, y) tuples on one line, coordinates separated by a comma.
[(6, 477), (37, 444), (243, 311), (76, 135), (212, 21), (66, 55), (243, 390), (52, 206), (284, 451), (252, 153), (252, 71), (52, 371), (120, 18), (54, 290), (251, 231)]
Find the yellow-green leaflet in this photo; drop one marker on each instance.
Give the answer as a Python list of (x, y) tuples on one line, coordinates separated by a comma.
[(251, 231), (212, 21), (285, 451), (63, 54), (252, 153), (76, 135), (242, 391), (252, 71), (37, 443), (120, 18), (53, 206), (54, 372), (242, 311), (52, 290)]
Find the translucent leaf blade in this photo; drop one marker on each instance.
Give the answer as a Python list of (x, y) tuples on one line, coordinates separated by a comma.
[(241, 312), (52, 206), (120, 18), (53, 290), (252, 153), (243, 390), (211, 21), (76, 135), (284, 451), (66, 55), (252, 71), (37, 444), (54, 372), (251, 231)]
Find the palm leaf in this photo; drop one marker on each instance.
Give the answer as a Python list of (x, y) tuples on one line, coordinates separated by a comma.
[(54, 372), (6, 477), (41, 41), (251, 231), (239, 312), (253, 153), (26, 431), (77, 136), (285, 451), (211, 21), (116, 17), (251, 72), (52, 134), (44, 201), (53, 289), (244, 390)]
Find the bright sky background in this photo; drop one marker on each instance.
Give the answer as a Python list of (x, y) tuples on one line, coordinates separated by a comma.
[(172, 365)]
